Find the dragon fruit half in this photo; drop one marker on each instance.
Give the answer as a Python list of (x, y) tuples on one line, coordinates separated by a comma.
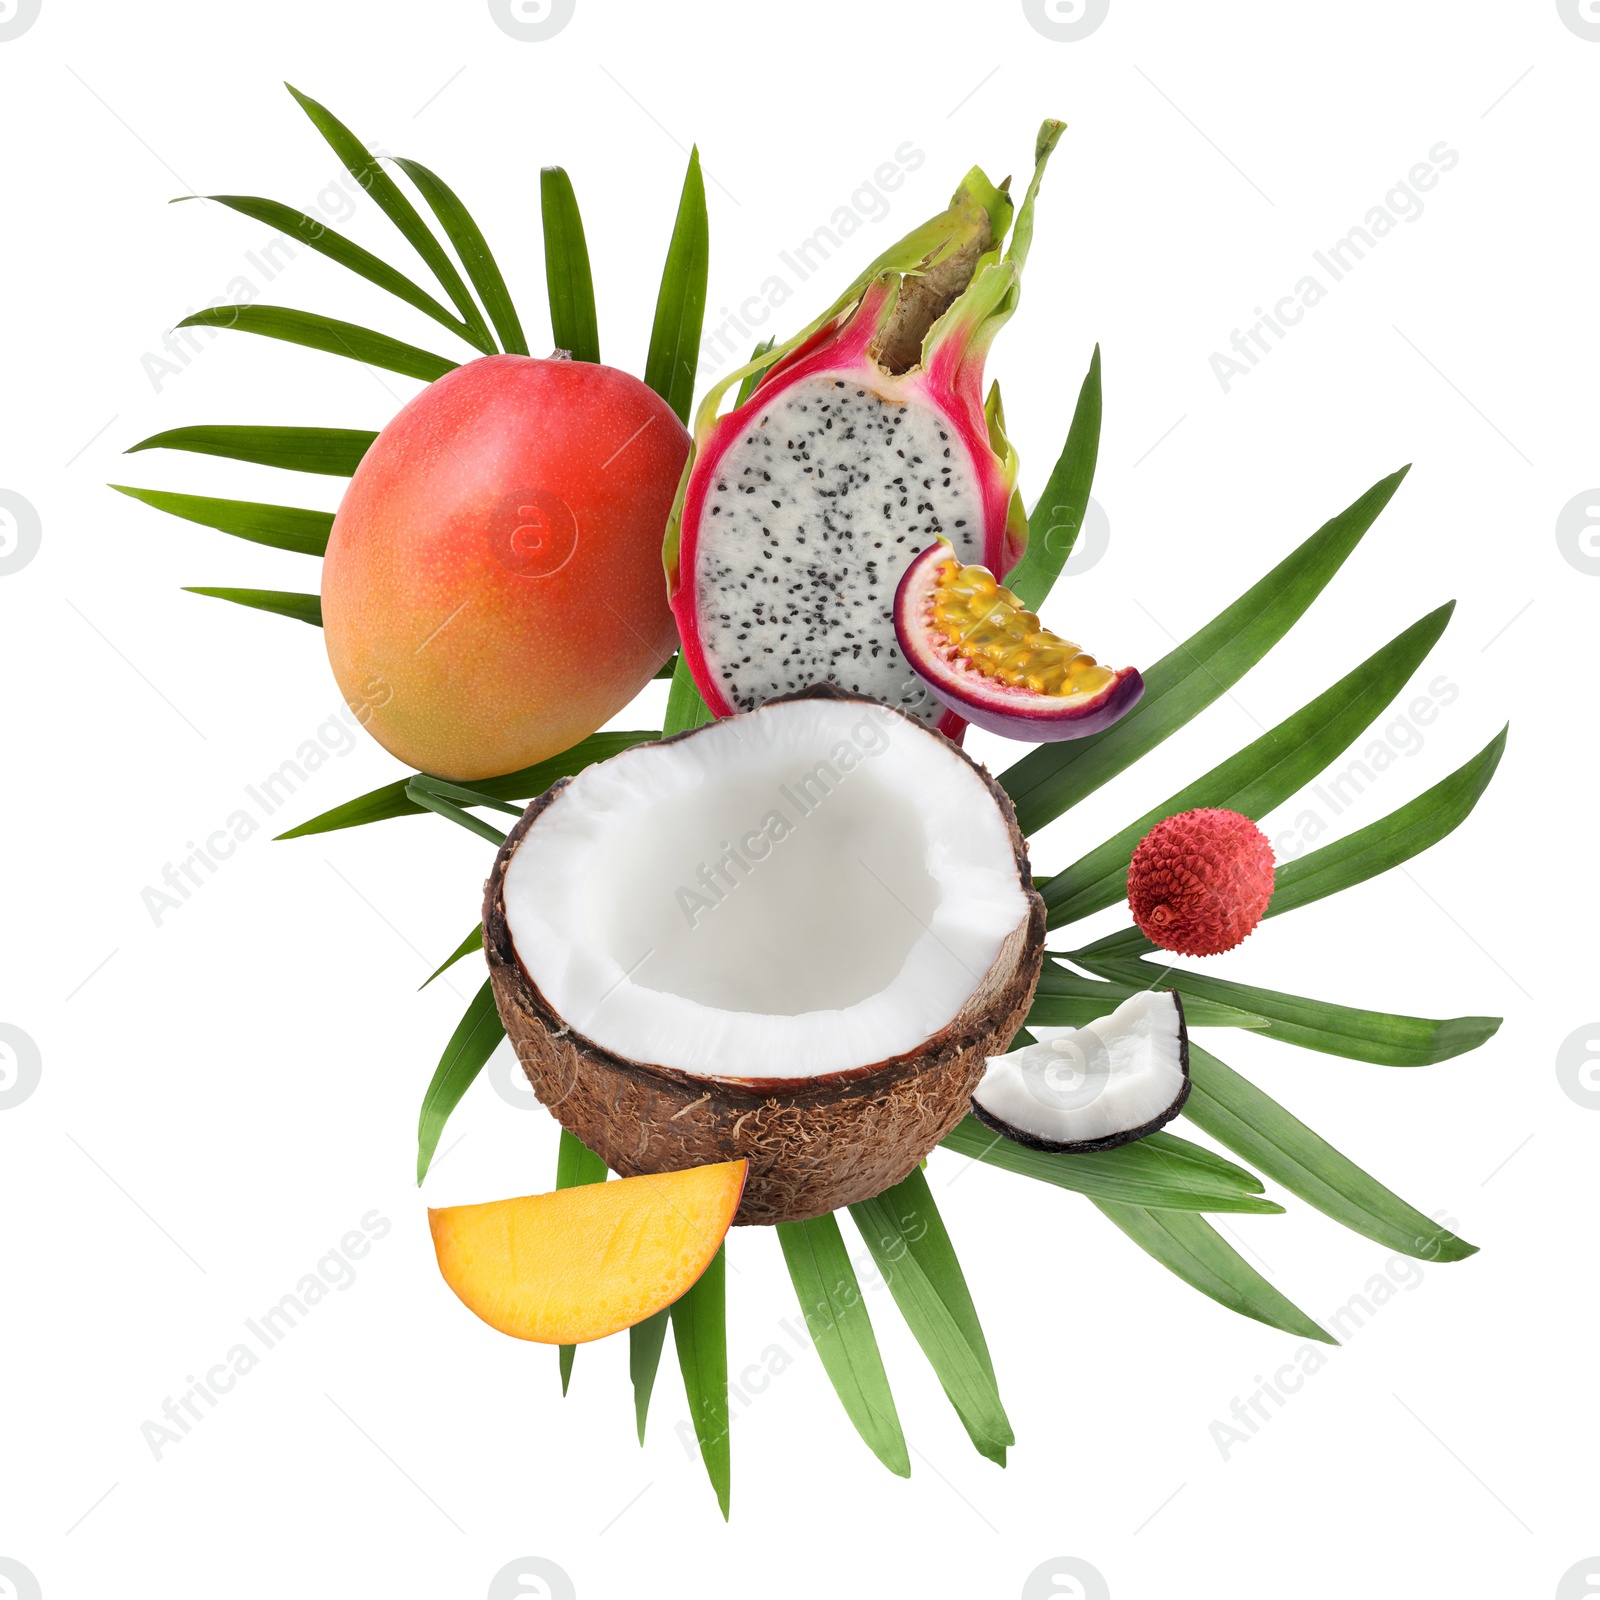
[(865, 439)]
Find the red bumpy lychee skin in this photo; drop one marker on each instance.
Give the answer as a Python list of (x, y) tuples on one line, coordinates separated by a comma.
[(1200, 882)]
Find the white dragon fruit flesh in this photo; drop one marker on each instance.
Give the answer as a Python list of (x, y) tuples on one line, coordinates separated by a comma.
[(865, 441)]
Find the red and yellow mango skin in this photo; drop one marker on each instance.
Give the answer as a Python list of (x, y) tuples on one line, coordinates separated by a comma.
[(493, 591)]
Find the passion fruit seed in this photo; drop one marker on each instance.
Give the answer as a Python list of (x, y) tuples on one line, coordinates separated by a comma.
[(990, 661), (985, 624)]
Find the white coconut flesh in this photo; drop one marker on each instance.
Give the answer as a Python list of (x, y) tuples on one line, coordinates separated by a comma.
[(810, 888), (1120, 1074), (810, 519)]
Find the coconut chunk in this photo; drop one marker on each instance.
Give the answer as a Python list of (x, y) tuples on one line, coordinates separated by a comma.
[(1092, 1088)]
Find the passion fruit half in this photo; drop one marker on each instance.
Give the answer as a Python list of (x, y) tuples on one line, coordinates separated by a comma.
[(970, 639)]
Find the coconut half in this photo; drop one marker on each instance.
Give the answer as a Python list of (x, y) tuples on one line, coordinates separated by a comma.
[(1108, 1083), (793, 935)]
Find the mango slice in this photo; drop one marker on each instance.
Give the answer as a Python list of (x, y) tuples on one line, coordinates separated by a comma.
[(579, 1264)]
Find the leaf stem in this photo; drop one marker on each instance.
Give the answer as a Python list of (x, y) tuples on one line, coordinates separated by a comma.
[(465, 819), (469, 797)]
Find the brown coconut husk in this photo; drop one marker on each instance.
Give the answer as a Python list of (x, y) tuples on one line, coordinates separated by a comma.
[(813, 1144)]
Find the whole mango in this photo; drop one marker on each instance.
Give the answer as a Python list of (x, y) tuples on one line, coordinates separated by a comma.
[(493, 589)]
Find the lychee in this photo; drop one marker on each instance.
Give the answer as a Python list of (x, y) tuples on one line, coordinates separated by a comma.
[(1200, 881)]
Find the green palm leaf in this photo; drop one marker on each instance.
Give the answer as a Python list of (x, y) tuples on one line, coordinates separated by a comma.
[(576, 1165), (325, 333), (903, 1230), (473, 249), (1262, 775), (752, 380), (645, 1340), (368, 171), (700, 1331), (281, 527), (473, 1042), (1378, 1036), (669, 368), (281, 602), (1055, 777), (333, 452), (685, 708), (473, 941), (1189, 1246), (837, 1320), (425, 793), (1066, 999), (323, 239), (1065, 499), (1159, 1172), (1389, 841), (1172, 1148), (421, 784), (566, 268), (1253, 1125), (379, 805)]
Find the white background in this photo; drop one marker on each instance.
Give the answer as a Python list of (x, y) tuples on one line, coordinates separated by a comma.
[(225, 1095)]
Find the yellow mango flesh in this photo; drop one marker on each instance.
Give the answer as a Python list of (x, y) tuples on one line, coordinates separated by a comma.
[(579, 1264)]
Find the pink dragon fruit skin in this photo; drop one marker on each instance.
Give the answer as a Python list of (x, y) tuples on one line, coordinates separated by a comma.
[(865, 440)]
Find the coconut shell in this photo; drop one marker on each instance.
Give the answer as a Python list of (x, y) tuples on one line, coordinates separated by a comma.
[(813, 1144)]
